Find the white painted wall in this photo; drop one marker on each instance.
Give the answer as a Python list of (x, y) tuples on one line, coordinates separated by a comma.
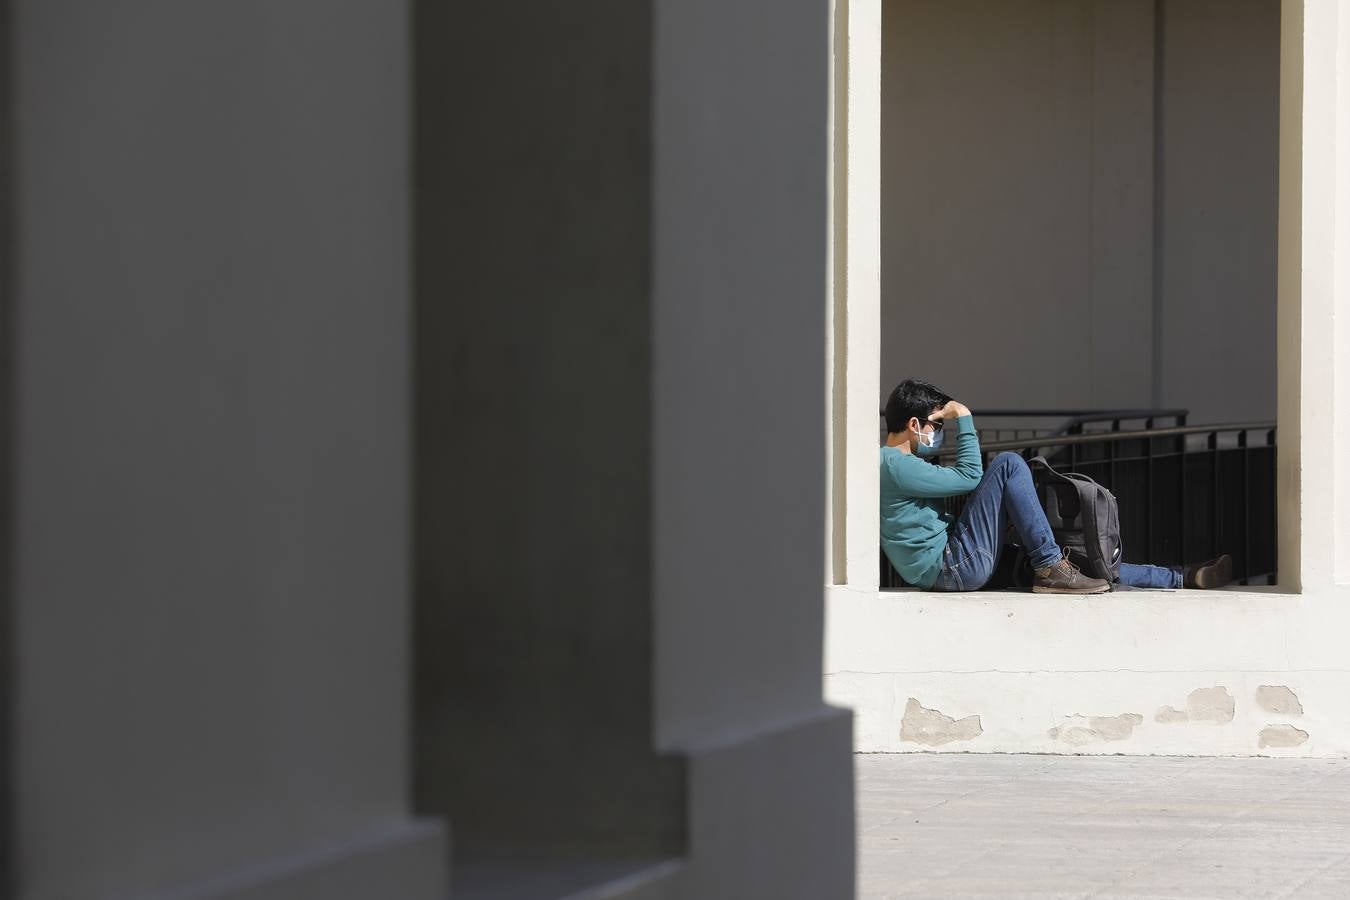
[(856, 295), (1026, 664), (211, 451), (1025, 143), (1341, 302)]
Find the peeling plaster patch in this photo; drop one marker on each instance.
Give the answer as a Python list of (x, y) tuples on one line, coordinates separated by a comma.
[(1282, 736), (930, 727), (1210, 705), (1277, 698), (1213, 704), (1170, 715), (1079, 730)]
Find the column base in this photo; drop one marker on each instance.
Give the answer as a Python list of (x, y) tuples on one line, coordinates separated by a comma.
[(404, 860)]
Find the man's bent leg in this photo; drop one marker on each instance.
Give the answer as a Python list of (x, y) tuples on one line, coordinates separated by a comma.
[(1005, 493), (1008, 483)]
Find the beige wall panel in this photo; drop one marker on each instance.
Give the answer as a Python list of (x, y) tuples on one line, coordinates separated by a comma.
[(1121, 357), (1022, 215), (1219, 139), (1016, 211)]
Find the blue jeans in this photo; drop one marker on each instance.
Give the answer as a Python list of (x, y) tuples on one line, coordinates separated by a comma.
[(1007, 494)]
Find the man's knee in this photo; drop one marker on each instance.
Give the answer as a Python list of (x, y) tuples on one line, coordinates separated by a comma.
[(1008, 460)]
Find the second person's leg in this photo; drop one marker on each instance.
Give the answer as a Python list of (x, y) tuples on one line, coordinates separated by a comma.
[(1142, 576)]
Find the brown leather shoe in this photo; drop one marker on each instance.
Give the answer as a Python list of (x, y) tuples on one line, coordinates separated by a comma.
[(1065, 578), (1208, 575)]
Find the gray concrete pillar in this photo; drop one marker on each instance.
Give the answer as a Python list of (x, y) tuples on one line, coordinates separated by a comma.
[(621, 244), (210, 485)]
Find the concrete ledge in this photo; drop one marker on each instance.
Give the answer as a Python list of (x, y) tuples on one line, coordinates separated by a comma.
[(404, 860), (1140, 672), (923, 631)]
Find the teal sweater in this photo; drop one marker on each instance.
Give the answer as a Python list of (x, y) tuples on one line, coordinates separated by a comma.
[(912, 531)]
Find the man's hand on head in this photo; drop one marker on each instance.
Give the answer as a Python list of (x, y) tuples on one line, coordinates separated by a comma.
[(953, 410)]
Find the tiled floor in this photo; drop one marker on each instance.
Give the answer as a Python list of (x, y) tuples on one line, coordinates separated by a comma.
[(968, 825)]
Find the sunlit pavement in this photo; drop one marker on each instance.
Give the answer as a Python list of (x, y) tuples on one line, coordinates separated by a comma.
[(977, 825)]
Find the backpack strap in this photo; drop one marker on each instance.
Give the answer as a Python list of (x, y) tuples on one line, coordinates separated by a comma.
[(1042, 469), (1063, 484)]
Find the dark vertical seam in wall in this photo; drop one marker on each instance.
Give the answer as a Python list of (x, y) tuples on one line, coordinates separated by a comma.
[(410, 554), (423, 24), (8, 285), (838, 307), (413, 751), (680, 833), (1156, 387), (1092, 202)]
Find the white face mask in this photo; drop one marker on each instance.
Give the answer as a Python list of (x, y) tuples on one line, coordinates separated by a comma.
[(929, 443)]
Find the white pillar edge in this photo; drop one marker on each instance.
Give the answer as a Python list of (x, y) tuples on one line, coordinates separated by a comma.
[(836, 236), (1307, 285), (1341, 306), (861, 319)]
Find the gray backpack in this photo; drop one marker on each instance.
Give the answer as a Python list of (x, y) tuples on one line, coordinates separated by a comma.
[(1084, 517)]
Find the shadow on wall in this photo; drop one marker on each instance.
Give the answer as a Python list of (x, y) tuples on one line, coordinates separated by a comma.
[(534, 659)]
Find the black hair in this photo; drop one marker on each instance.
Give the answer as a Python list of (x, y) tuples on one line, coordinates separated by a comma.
[(912, 398)]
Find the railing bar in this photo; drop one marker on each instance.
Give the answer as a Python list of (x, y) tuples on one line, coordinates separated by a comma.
[(1119, 459), (1129, 413), (1153, 438), (1148, 496), (1246, 514), (1101, 436), (1274, 472), (1214, 488), (1181, 501), (1111, 460)]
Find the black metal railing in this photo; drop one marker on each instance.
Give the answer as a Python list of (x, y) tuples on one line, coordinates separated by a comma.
[(1185, 493), (1072, 421)]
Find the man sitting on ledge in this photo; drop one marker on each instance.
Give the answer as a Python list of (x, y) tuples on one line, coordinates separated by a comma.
[(930, 556)]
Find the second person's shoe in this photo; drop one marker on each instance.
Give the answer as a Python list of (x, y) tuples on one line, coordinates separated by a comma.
[(1208, 575)]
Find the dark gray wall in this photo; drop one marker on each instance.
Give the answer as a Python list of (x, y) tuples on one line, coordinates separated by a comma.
[(742, 121), (534, 619), (211, 470)]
